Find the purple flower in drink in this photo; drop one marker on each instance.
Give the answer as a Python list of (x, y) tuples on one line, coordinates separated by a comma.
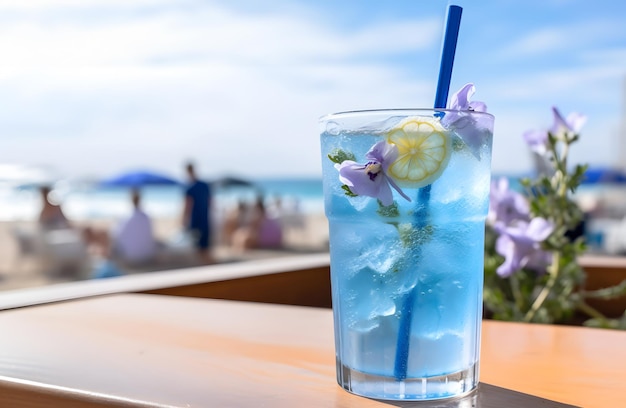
[(520, 245), (537, 140), (506, 205), (461, 100), (472, 128), (370, 179)]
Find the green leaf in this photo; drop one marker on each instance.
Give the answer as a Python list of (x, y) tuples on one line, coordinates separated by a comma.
[(597, 322), (612, 292), (389, 211), (348, 192), (458, 144), (339, 156), (556, 295), (411, 235)]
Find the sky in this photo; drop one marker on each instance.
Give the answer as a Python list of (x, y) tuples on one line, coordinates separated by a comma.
[(89, 89)]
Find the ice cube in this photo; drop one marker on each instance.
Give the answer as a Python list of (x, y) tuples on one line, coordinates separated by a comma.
[(371, 350), (382, 306), (438, 354), (364, 325), (383, 258), (360, 203), (381, 126)]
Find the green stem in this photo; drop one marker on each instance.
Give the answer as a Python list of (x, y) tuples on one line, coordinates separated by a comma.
[(517, 294), (562, 179), (560, 185), (613, 292), (554, 271), (591, 312)]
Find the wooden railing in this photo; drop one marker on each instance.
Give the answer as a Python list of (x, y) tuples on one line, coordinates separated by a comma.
[(299, 280), (602, 272), (309, 286)]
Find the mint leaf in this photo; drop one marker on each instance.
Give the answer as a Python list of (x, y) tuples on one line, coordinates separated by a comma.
[(458, 144), (411, 235), (348, 192), (389, 211), (339, 156)]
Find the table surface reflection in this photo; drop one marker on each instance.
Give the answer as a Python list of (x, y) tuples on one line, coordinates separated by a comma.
[(152, 350)]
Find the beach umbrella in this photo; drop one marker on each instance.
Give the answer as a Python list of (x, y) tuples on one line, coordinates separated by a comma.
[(140, 178), (229, 181), (604, 175)]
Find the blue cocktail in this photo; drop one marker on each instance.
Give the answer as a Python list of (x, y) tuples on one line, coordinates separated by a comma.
[(406, 196)]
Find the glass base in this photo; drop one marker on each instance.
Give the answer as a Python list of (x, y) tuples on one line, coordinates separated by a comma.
[(410, 389)]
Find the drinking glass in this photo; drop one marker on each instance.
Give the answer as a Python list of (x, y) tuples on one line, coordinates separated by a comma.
[(406, 194)]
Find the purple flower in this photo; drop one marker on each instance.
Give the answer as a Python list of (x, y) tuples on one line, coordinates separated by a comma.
[(370, 179), (573, 123), (459, 118), (520, 244), (506, 205), (537, 140), (461, 100)]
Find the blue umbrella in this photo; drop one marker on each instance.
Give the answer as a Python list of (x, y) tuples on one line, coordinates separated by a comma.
[(136, 179), (604, 175)]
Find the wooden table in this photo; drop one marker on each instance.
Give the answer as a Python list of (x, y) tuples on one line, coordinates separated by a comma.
[(141, 350)]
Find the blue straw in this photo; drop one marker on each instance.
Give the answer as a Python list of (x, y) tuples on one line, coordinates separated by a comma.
[(447, 56), (441, 98)]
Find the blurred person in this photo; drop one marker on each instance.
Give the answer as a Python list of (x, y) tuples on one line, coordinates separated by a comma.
[(262, 231), (275, 208), (61, 247), (235, 218), (197, 213), (51, 215), (133, 240)]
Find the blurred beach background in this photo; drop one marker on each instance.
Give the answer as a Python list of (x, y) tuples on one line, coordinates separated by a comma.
[(93, 89), (298, 203)]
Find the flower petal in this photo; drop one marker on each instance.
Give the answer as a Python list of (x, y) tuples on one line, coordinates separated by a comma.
[(559, 122), (505, 205), (537, 140), (478, 106), (384, 153), (470, 127), (506, 247), (376, 152), (361, 182), (538, 260), (384, 194), (576, 121), (471, 132), (539, 229), (347, 167), (460, 100), (398, 189)]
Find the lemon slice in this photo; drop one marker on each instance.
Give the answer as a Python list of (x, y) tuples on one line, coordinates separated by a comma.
[(423, 151)]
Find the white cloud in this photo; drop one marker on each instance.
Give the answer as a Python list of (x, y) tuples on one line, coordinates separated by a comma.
[(557, 38), (239, 93), (585, 83), (200, 37), (107, 85), (48, 5), (538, 42)]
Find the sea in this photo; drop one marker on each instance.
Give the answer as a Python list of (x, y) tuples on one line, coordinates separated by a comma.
[(85, 201), (92, 202)]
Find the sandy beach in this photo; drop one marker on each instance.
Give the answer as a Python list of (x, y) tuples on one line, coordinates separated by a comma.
[(19, 269)]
